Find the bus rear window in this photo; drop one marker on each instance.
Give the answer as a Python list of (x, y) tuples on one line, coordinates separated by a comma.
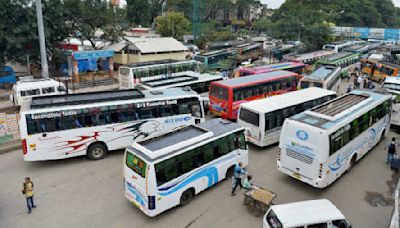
[(219, 92), (318, 84), (304, 84), (273, 220), (249, 117), (136, 164)]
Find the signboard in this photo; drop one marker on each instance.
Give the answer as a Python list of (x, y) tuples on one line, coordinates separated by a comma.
[(391, 34), (376, 33), (79, 55), (361, 32)]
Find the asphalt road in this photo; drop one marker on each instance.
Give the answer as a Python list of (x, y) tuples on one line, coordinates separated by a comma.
[(82, 193)]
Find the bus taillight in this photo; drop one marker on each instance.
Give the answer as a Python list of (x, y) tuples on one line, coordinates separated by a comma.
[(24, 147), (321, 166), (279, 154)]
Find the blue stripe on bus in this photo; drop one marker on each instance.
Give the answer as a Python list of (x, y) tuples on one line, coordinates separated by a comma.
[(210, 171), (373, 134), (138, 196)]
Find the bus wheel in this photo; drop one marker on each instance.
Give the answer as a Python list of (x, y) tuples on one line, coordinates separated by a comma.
[(382, 136), (353, 162), (229, 172), (186, 197), (97, 151)]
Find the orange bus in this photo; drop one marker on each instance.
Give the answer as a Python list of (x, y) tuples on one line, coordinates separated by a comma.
[(379, 70)]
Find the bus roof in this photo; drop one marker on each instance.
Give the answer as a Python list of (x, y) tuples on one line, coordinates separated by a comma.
[(310, 55), (307, 212), (339, 56), (393, 80), (149, 63), (103, 96), (277, 102), (252, 79), (323, 72), (280, 66), (168, 144), (335, 112), (166, 62), (212, 53), (393, 65), (185, 77)]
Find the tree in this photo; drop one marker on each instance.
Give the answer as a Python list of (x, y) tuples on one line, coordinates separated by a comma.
[(173, 24), (261, 25), (139, 12)]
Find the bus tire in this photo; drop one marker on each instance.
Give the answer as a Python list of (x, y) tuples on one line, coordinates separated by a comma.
[(382, 135), (186, 197), (229, 172), (97, 151), (353, 161)]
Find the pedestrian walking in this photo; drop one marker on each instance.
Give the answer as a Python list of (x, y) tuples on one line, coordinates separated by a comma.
[(365, 83), (349, 89), (391, 150), (238, 172), (27, 190), (355, 82), (359, 81)]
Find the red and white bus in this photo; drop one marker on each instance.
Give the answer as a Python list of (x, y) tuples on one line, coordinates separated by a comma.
[(297, 67), (226, 96)]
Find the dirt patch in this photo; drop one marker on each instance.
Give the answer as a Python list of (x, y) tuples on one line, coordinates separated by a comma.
[(392, 183), (375, 199)]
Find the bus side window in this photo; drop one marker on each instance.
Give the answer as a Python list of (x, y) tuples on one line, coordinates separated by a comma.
[(242, 140)]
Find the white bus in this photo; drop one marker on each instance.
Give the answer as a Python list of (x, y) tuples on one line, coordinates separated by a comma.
[(306, 214), (131, 75), (91, 124), (338, 46), (392, 86), (28, 87), (166, 171), (317, 146), (196, 81), (264, 118), (325, 76)]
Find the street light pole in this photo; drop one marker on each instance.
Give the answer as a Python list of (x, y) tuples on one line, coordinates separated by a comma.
[(42, 42)]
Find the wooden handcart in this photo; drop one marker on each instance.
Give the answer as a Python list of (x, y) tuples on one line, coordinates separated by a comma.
[(258, 200)]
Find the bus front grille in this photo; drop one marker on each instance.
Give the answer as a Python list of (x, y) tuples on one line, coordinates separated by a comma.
[(298, 156)]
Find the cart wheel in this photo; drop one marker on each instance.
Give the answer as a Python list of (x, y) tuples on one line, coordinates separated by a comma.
[(250, 206), (257, 211)]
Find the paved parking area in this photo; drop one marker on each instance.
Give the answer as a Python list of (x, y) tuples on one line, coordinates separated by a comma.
[(82, 193)]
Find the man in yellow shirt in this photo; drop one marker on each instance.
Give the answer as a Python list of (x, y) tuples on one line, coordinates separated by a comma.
[(27, 190)]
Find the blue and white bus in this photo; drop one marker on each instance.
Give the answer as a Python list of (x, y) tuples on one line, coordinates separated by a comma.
[(168, 170), (317, 146)]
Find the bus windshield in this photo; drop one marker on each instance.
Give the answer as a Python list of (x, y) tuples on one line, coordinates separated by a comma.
[(273, 220), (136, 164), (219, 92), (304, 84), (391, 86), (249, 117)]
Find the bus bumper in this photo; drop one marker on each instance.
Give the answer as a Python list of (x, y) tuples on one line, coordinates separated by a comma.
[(137, 205), (317, 183)]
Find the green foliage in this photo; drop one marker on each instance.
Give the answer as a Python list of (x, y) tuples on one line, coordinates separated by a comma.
[(262, 25), (18, 29), (173, 24), (139, 12)]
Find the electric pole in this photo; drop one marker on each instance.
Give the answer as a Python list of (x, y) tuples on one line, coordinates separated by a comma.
[(42, 42)]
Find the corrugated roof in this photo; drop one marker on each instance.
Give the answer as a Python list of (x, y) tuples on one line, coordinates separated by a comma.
[(154, 45), (117, 47)]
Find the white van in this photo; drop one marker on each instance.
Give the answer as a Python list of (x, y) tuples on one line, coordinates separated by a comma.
[(306, 214), (28, 87)]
